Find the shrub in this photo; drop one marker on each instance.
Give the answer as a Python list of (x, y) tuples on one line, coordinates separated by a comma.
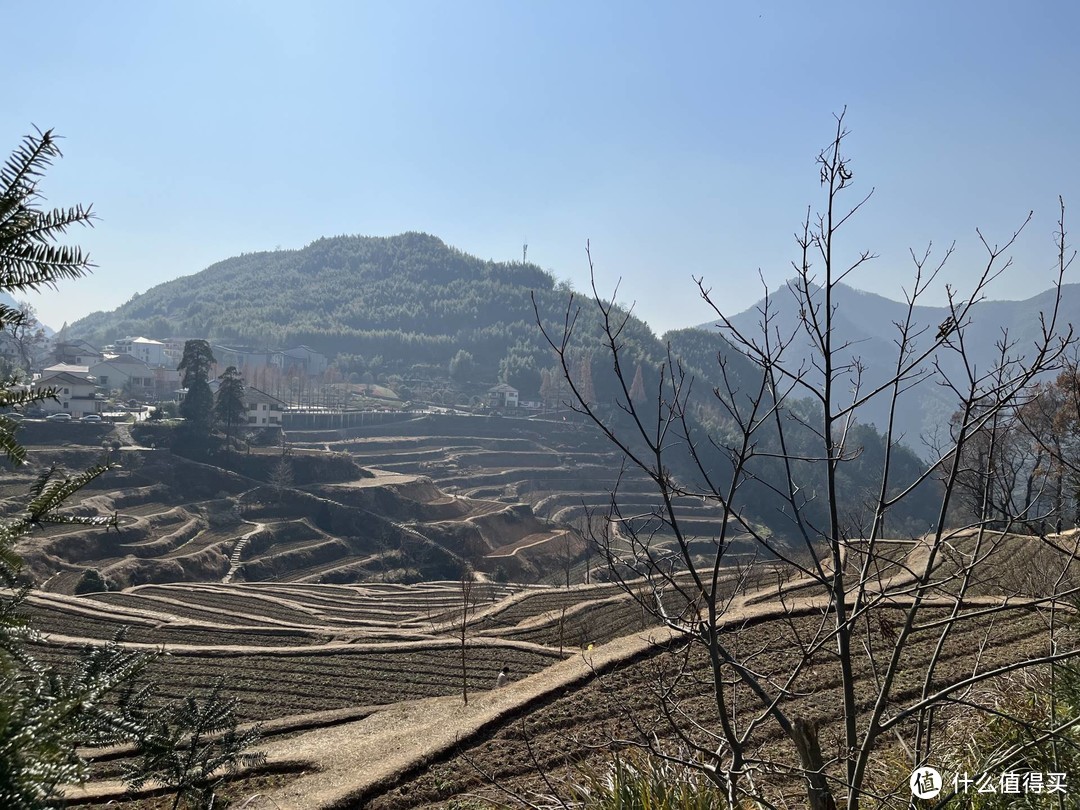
[(634, 780), (92, 581)]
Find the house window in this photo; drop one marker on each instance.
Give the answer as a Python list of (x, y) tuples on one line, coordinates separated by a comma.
[(253, 420), (65, 391)]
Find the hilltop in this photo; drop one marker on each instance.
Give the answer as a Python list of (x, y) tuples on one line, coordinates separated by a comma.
[(384, 304)]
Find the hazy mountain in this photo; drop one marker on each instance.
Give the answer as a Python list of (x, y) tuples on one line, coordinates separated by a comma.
[(867, 323)]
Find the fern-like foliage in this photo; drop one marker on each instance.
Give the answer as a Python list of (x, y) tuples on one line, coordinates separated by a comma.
[(30, 258), (192, 744), (52, 488), (45, 715)]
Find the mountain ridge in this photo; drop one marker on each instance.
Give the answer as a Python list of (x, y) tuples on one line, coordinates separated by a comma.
[(865, 324)]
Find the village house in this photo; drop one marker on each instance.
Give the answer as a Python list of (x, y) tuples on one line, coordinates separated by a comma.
[(263, 410), (75, 390), (151, 352), (76, 353), (123, 372), (502, 396), (312, 363), (249, 362)]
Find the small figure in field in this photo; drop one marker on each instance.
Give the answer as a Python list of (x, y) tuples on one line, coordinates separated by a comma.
[(503, 679)]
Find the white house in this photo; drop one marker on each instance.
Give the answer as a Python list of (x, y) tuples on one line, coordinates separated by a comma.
[(123, 371), (263, 410), (151, 352), (503, 396), (74, 390)]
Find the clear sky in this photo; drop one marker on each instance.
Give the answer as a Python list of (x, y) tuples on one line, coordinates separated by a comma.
[(678, 137)]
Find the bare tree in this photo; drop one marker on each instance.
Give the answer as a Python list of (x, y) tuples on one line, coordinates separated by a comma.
[(907, 628), (22, 335), (468, 603)]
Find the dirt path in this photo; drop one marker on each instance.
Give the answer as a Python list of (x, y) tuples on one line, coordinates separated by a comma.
[(513, 553), (122, 432), (238, 550)]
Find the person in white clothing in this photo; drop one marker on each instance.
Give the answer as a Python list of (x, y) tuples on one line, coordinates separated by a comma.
[(503, 679)]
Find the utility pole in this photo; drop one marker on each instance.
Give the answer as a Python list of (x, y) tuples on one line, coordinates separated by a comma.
[(524, 249)]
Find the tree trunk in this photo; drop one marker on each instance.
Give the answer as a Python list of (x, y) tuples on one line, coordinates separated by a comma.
[(805, 737)]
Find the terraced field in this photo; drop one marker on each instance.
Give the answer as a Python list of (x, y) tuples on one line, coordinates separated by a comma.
[(297, 598), (561, 471), (507, 496), (543, 743), (337, 658), (180, 521), (304, 654)]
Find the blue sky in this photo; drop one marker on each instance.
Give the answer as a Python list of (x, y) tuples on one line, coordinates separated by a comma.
[(678, 137)]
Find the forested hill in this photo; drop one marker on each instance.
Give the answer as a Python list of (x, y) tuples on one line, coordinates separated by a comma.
[(407, 298)]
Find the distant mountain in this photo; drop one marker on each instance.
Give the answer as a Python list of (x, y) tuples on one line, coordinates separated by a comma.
[(867, 324)]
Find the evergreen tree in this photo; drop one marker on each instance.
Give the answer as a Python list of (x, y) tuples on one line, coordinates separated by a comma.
[(229, 406), (191, 745), (44, 716), (198, 405)]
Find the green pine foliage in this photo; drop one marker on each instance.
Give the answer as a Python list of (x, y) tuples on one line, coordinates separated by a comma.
[(198, 405), (45, 715), (229, 407), (192, 744)]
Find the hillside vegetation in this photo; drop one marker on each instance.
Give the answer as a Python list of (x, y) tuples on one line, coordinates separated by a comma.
[(406, 300)]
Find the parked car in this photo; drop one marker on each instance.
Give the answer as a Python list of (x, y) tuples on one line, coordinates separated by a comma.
[(91, 417), (59, 417)]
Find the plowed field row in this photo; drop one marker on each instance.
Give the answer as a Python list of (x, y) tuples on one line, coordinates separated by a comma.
[(226, 606), (272, 686), (179, 608), (623, 704), (543, 601), (57, 621)]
